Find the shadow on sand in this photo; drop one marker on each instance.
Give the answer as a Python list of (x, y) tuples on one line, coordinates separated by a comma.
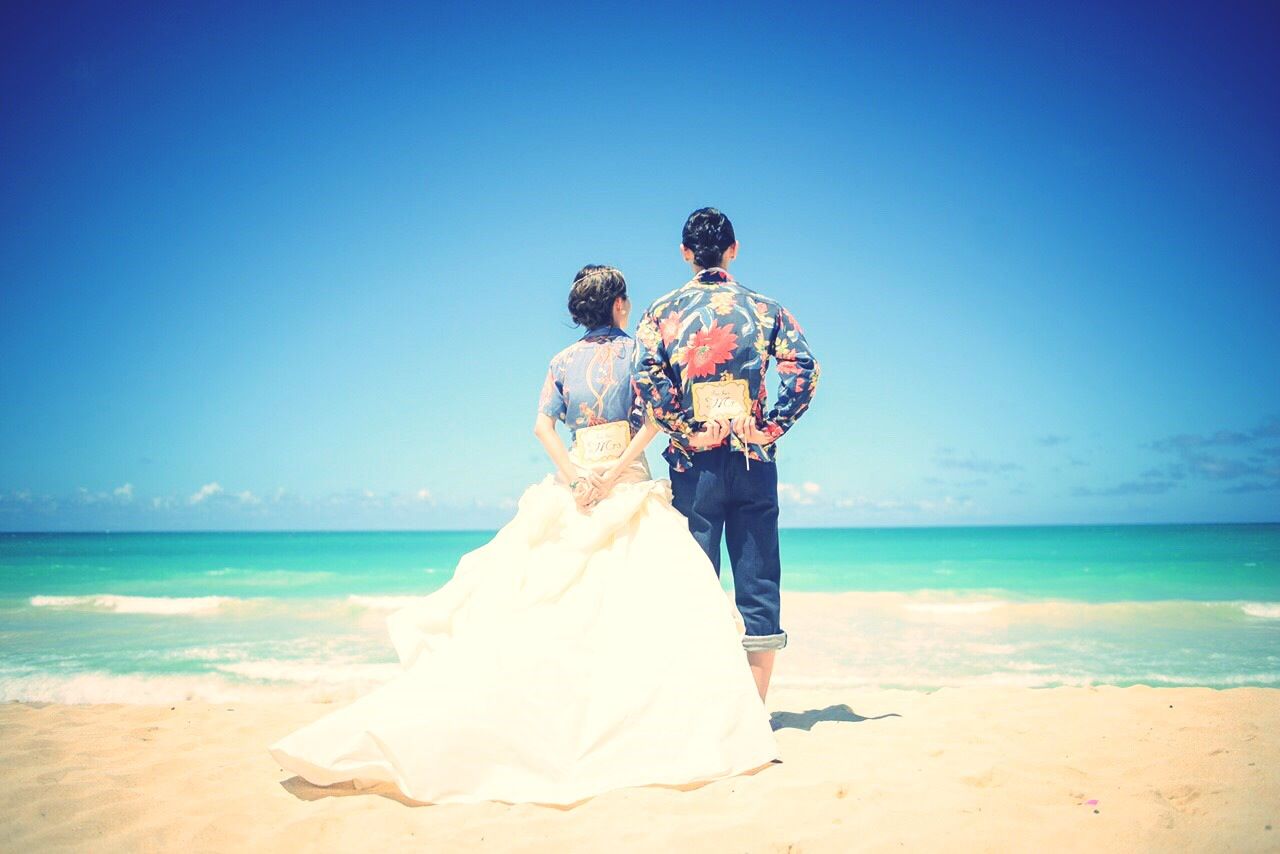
[(303, 790), (806, 720), (841, 713)]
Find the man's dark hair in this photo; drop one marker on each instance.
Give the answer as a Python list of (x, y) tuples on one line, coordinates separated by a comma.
[(707, 233), (595, 287)]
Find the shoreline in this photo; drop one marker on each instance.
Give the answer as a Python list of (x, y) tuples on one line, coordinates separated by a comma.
[(221, 648), (972, 767)]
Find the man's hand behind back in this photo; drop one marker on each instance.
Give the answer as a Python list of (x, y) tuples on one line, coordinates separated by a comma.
[(711, 435), (748, 431)]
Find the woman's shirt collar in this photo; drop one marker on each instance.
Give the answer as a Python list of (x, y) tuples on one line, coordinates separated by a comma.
[(608, 331)]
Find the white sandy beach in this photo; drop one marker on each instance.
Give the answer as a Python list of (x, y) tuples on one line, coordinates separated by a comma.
[(970, 769)]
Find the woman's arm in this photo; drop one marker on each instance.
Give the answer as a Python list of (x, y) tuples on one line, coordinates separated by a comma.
[(639, 442), (545, 429)]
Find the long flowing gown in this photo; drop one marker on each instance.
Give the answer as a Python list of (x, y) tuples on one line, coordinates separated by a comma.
[(574, 653)]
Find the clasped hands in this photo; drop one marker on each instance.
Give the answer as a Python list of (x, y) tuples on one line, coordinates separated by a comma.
[(592, 487), (715, 432)]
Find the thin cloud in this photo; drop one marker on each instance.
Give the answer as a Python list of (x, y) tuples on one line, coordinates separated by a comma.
[(1252, 486), (1207, 455), (862, 502), (803, 493), (1052, 439), (23, 501), (1227, 455), (946, 503), (1269, 429), (205, 492), (1215, 467), (946, 458), (1128, 487), (120, 495)]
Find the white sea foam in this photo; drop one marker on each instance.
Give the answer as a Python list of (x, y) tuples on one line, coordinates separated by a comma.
[(333, 648), (139, 689), (1005, 649), (325, 672), (312, 682), (203, 653), (1025, 677), (134, 604), (271, 577), (979, 607), (1220, 680), (383, 603), (1008, 609)]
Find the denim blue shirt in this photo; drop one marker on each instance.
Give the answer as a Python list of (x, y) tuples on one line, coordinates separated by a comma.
[(713, 329), (589, 382)]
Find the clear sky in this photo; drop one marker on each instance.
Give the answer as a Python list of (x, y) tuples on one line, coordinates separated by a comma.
[(303, 267)]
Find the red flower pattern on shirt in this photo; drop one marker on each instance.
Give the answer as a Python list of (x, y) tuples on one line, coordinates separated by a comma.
[(670, 328), (709, 347)]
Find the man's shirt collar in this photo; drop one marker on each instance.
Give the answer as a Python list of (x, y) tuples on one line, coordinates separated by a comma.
[(713, 274)]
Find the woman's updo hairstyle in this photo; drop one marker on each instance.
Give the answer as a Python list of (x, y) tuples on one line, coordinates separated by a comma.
[(707, 234), (595, 288)]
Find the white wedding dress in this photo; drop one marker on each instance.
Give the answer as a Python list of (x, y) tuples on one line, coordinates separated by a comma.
[(572, 654)]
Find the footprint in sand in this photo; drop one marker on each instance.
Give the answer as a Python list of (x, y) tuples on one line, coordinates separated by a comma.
[(1181, 797)]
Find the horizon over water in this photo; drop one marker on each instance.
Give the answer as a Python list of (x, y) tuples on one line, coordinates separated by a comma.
[(154, 617), (492, 530)]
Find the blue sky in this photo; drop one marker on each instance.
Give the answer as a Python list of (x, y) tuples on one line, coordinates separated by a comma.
[(303, 267)]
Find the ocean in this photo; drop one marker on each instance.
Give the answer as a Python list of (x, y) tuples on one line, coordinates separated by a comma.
[(161, 617)]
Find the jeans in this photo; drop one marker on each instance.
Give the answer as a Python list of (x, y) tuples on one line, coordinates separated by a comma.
[(719, 494)]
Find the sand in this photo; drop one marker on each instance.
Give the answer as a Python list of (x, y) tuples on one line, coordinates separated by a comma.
[(965, 769)]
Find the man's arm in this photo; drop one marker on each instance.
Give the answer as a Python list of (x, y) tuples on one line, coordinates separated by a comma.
[(655, 386), (798, 374)]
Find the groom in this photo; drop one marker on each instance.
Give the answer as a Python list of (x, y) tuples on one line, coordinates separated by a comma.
[(700, 360)]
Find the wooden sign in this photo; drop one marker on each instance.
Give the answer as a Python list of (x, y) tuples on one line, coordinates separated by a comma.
[(601, 442), (721, 399)]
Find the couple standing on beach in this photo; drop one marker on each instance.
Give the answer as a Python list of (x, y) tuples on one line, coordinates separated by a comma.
[(588, 646)]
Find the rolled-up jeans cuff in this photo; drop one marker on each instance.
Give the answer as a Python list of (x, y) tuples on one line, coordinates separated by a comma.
[(763, 643)]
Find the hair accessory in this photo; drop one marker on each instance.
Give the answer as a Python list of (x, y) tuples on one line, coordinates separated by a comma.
[(598, 271)]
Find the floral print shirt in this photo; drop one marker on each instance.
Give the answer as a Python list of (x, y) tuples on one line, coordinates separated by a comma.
[(713, 328), (589, 382)]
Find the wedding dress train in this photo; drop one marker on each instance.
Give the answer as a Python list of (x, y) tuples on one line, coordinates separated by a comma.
[(572, 654)]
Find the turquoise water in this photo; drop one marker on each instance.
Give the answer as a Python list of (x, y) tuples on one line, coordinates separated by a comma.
[(134, 617)]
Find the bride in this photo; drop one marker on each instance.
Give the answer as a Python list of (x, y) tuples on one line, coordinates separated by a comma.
[(586, 647)]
